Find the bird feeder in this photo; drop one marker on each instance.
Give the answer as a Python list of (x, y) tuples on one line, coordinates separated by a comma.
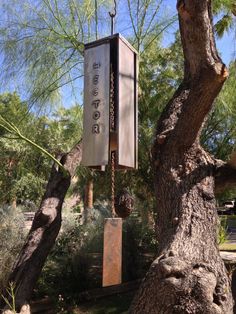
[(110, 103)]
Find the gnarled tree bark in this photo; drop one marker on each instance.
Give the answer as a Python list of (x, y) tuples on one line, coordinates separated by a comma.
[(45, 228), (189, 275)]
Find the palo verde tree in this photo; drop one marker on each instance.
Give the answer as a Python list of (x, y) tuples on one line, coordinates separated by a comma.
[(189, 276), (227, 12), (219, 135), (24, 167), (42, 44), (189, 268)]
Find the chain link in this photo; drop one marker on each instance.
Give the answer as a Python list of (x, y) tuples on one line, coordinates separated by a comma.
[(112, 129), (112, 102), (113, 158)]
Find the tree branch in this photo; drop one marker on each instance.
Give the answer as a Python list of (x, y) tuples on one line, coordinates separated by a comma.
[(204, 76), (45, 228)]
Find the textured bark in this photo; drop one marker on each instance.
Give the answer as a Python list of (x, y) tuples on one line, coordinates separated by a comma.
[(44, 230), (88, 197), (188, 276)]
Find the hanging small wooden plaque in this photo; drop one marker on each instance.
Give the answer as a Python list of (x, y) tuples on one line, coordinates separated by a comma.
[(112, 252)]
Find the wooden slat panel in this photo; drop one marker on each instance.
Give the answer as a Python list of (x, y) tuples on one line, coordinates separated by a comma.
[(112, 252), (127, 113), (96, 106)]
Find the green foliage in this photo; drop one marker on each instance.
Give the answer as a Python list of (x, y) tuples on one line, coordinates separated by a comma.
[(67, 271), (222, 234), (146, 22), (63, 129), (46, 46), (139, 248), (42, 43), (24, 169), (224, 24), (75, 263), (226, 11), (219, 135), (11, 294), (12, 237), (223, 5), (28, 187), (17, 158)]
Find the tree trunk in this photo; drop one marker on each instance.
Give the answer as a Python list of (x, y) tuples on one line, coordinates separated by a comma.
[(88, 197), (188, 276), (44, 230)]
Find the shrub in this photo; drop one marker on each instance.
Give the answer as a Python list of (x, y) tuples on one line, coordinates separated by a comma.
[(69, 268), (12, 237), (75, 264), (139, 248), (223, 228)]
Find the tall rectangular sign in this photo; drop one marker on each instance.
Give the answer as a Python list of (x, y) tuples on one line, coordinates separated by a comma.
[(110, 103), (96, 111)]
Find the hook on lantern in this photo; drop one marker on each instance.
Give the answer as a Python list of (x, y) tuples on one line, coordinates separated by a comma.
[(112, 15)]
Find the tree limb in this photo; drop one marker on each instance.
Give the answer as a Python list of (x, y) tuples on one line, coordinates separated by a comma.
[(45, 228)]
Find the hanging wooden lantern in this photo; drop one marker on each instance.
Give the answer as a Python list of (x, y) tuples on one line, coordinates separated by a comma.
[(110, 103)]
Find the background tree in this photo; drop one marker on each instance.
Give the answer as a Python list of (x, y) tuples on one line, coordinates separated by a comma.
[(42, 45), (19, 163), (46, 29), (24, 168), (226, 11)]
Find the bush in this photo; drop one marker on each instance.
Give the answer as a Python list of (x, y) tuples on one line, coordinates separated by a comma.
[(12, 236), (139, 248), (70, 266), (75, 263), (223, 228)]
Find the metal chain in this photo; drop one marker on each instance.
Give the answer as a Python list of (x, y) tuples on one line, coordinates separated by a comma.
[(112, 102), (113, 157), (112, 129)]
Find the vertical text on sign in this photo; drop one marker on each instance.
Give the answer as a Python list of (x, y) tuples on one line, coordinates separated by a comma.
[(96, 105), (95, 92)]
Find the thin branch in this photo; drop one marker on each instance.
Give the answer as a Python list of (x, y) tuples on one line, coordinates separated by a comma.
[(152, 18), (158, 34), (131, 18), (57, 80), (11, 128), (141, 25)]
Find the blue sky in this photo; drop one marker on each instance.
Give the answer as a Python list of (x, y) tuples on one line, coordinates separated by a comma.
[(226, 46)]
